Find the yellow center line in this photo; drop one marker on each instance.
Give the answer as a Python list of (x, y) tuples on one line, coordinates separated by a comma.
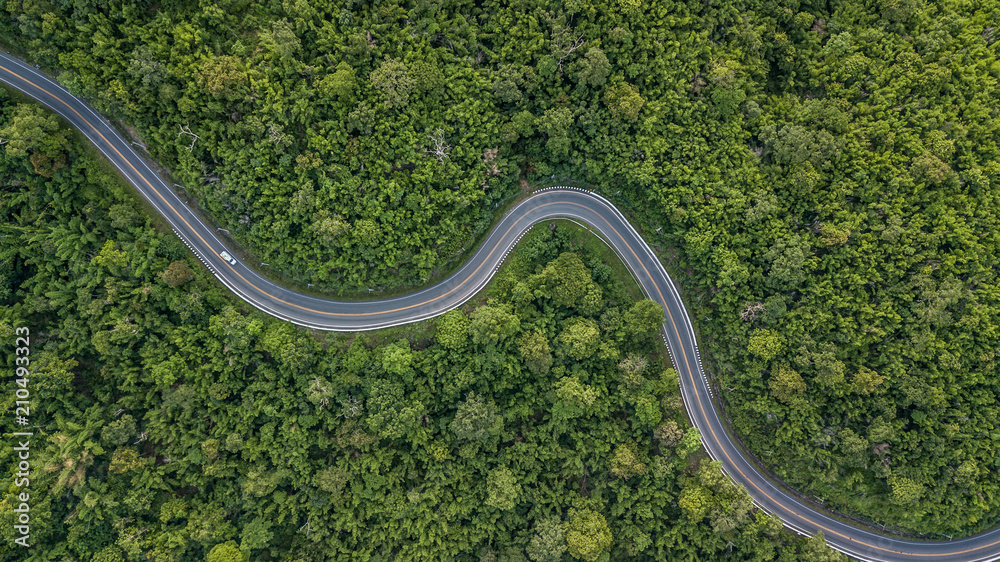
[(245, 280), (715, 437), (663, 302), (441, 296)]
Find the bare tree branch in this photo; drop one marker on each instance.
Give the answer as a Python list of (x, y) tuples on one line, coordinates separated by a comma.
[(440, 150), (186, 130), (568, 50), (275, 133), (751, 311)]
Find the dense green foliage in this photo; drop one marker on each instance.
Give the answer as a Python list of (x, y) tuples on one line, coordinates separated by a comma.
[(848, 277), (826, 172), (171, 425)]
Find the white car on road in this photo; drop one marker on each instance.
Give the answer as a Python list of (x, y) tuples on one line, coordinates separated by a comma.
[(225, 255)]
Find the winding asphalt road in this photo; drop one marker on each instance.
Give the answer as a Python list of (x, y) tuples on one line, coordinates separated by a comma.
[(580, 205)]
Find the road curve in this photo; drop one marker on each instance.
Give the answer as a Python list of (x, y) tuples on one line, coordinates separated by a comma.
[(561, 202)]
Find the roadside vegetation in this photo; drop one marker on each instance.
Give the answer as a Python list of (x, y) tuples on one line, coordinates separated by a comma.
[(172, 423), (821, 177)]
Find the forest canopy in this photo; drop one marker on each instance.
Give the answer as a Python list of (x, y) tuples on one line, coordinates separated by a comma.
[(171, 423), (821, 177)]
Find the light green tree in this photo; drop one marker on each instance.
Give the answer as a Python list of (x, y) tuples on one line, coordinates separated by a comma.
[(644, 320), (476, 419), (816, 550), (397, 358), (866, 380), (581, 337), (690, 443), (453, 329), (905, 491), (226, 552), (534, 348), (568, 282), (587, 534), (573, 398), (502, 489), (624, 102), (785, 384), (625, 463), (765, 344), (394, 81), (493, 324), (341, 84), (548, 543)]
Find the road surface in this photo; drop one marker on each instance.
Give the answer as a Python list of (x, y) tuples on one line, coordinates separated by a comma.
[(576, 204)]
